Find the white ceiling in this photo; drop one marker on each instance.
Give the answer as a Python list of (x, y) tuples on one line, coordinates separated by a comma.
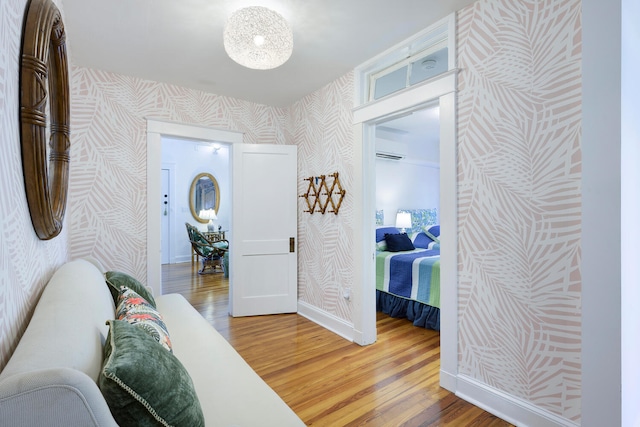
[(180, 41)]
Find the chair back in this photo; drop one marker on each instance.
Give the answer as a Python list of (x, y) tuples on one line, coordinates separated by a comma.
[(202, 246)]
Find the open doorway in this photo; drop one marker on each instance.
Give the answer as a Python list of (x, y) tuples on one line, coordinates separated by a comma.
[(185, 160), (442, 91), (407, 177), (156, 131)]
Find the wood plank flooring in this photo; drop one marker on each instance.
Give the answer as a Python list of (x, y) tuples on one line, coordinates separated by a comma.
[(327, 380)]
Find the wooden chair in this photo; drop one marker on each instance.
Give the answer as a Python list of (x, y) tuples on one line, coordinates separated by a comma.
[(212, 253)]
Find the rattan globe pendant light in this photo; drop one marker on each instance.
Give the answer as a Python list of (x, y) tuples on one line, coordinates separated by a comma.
[(257, 37)]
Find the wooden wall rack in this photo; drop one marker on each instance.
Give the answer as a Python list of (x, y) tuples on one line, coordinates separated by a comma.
[(320, 195)]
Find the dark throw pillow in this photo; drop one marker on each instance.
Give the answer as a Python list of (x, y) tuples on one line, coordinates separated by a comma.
[(118, 280), (398, 242), (143, 384)]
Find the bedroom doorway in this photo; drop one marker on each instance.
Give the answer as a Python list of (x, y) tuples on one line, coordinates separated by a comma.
[(407, 189), (440, 91)]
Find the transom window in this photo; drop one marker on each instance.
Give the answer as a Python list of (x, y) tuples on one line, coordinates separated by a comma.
[(427, 55)]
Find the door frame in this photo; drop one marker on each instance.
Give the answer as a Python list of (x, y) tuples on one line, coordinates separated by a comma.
[(172, 226), (440, 89), (156, 129)]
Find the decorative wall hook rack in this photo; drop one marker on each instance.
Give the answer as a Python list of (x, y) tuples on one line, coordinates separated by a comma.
[(320, 195)]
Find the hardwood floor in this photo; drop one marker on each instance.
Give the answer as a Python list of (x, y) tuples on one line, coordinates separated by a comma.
[(327, 380)]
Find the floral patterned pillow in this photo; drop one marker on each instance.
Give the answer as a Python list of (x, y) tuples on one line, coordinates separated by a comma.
[(139, 312)]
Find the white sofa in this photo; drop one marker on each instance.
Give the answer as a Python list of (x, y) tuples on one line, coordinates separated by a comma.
[(51, 379)]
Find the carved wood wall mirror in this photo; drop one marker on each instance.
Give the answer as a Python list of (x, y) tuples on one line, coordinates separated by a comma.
[(44, 88), (204, 194)]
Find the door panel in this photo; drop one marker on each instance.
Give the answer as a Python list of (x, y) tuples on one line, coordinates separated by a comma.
[(263, 262)]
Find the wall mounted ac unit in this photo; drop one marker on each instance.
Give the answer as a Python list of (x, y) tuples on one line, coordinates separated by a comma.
[(391, 150)]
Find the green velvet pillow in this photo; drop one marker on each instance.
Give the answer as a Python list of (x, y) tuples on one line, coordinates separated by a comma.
[(144, 384), (118, 280)]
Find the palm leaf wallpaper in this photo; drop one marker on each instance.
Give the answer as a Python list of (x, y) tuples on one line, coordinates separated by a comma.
[(322, 124), (108, 204), (519, 171), (26, 262)]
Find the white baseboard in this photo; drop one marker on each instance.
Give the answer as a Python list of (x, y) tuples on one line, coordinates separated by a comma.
[(448, 381), (507, 407), (182, 258), (326, 320)]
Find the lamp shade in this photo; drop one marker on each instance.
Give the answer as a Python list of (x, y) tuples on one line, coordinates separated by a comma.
[(208, 214), (403, 220), (257, 37)]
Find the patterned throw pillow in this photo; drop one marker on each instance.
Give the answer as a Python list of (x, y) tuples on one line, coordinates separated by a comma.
[(137, 311)]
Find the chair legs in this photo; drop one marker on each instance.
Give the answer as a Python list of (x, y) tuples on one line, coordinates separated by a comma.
[(211, 263)]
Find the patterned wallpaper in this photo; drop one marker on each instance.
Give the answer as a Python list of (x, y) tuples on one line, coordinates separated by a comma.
[(519, 171), (519, 189), (26, 263), (107, 216), (322, 123)]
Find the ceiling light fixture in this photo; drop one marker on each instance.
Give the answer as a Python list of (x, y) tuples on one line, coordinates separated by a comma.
[(258, 38)]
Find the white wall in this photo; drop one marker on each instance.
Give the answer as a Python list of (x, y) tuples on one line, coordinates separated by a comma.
[(190, 158), (404, 185), (630, 154), (601, 211)]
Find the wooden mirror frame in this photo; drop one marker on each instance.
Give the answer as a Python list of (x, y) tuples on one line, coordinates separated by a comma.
[(192, 196), (44, 73)]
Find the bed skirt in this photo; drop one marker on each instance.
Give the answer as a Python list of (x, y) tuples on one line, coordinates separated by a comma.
[(420, 314)]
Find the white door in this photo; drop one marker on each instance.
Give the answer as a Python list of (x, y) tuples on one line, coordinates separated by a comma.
[(165, 209), (263, 259)]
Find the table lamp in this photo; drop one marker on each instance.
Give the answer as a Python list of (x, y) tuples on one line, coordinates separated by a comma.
[(403, 221), (209, 214)]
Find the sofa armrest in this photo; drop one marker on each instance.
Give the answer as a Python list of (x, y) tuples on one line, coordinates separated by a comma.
[(59, 397)]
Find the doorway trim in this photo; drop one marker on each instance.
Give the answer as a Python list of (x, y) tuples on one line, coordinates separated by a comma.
[(441, 89), (156, 129), (170, 213)]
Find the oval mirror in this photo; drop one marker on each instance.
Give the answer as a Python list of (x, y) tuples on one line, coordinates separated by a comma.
[(204, 194)]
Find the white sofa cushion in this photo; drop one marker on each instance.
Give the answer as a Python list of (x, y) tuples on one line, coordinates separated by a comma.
[(230, 392)]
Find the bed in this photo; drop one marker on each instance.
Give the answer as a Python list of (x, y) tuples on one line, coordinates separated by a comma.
[(408, 274)]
